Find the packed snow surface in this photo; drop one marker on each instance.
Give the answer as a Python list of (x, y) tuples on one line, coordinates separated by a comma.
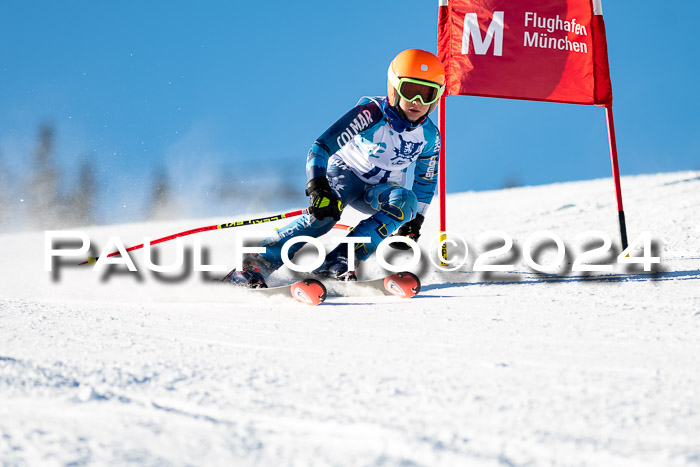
[(481, 368)]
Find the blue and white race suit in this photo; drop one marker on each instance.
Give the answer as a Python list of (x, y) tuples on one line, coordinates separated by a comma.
[(365, 155)]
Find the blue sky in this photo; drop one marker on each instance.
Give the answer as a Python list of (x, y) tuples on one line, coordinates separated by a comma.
[(239, 90)]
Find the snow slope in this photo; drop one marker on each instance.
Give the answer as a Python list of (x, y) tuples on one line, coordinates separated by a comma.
[(515, 368)]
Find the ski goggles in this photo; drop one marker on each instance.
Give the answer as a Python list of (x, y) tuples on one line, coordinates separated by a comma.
[(411, 89)]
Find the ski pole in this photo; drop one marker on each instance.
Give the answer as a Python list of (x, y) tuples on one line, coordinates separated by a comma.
[(227, 225)]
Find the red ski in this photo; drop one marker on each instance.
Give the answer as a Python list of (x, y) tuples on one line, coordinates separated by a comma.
[(309, 292), (314, 292), (401, 284)]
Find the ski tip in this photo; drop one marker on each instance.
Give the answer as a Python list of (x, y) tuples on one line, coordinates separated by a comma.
[(402, 284), (309, 292)]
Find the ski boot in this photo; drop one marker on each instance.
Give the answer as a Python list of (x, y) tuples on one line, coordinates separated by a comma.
[(253, 273), (336, 267)]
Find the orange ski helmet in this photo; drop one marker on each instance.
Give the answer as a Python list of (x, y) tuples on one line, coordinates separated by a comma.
[(415, 64)]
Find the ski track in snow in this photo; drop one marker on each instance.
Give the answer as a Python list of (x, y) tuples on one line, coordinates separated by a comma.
[(513, 368)]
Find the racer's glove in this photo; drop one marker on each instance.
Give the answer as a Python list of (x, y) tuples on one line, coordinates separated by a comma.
[(322, 201), (410, 229)]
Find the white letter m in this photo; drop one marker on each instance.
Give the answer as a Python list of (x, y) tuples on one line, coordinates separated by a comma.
[(494, 32)]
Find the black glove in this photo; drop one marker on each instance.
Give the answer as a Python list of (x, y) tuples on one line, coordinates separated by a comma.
[(410, 229), (322, 201)]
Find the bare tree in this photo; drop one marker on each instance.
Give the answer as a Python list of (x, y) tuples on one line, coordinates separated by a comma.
[(5, 195), (511, 181), (44, 196), (163, 206), (80, 205)]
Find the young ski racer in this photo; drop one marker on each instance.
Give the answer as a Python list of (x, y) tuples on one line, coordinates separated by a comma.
[(361, 161)]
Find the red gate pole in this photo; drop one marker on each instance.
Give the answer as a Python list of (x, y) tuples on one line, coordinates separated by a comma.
[(443, 22), (442, 179), (616, 173)]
